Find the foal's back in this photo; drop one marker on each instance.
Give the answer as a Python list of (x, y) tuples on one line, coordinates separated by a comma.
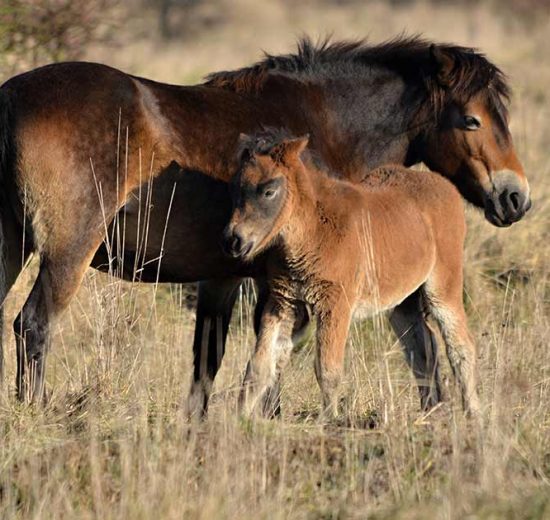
[(411, 226)]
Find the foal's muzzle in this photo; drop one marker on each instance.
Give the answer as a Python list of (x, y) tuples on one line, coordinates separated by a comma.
[(234, 243)]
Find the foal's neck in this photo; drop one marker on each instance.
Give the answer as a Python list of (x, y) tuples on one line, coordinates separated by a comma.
[(316, 203)]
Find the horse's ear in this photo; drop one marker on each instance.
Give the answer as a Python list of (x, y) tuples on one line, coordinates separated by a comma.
[(444, 64), (294, 147)]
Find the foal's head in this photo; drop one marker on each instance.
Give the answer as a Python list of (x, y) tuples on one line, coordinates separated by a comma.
[(262, 191)]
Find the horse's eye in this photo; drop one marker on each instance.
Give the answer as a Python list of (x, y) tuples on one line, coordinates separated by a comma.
[(472, 122), (270, 193)]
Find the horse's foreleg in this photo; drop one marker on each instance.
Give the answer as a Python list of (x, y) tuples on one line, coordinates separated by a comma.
[(214, 308), (461, 352), (420, 347)]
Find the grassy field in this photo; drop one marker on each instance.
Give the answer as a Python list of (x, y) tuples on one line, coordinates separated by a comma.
[(112, 442)]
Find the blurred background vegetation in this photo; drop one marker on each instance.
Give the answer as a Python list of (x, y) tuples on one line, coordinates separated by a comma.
[(35, 32)]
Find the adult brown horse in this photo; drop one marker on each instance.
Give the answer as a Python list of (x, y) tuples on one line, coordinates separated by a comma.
[(76, 138)]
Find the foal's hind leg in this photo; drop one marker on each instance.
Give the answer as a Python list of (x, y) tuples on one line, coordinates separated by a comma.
[(420, 347), (448, 309), (215, 303)]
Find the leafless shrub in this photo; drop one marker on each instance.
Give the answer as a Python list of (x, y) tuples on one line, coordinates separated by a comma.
[(33, 32)]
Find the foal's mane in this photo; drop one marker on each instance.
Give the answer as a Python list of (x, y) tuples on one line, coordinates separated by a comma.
[(264, 140), (268, 138), (411, 57)]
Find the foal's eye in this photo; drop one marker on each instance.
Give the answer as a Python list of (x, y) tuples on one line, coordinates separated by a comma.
[(472, 122), (270, 193)]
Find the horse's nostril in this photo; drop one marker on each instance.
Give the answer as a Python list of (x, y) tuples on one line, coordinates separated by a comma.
[(514, 200)]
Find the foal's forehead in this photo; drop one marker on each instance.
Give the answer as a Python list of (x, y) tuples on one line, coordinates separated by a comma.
[(260, 169)]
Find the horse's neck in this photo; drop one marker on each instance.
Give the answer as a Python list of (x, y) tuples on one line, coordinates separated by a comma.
[(357, 122)]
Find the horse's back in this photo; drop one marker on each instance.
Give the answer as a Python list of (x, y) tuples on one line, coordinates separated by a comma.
[(77, 91), (68, 126), (73, 105)]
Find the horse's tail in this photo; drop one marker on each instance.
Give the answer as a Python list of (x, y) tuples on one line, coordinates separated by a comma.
[(7, 163)]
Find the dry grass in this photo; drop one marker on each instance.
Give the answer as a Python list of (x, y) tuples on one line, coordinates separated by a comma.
[(112, 442)]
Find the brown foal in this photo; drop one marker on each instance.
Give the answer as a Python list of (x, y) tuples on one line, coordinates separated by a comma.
[(342, 248)]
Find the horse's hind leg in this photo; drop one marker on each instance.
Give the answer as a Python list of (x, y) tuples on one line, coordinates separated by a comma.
[(420, 347), (58, 280), (31, 333), (15, 253), (214, 308)]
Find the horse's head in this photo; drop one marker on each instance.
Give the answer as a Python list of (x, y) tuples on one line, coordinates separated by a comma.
[(471, 143), (261, 192)]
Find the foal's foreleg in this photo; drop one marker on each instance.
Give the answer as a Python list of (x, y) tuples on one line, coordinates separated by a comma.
[(271, 405), (420, 347), (332, 330), (271, 400), (273, 348)]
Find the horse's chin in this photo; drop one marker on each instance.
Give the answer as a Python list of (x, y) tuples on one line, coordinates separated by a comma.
[(496, 220)]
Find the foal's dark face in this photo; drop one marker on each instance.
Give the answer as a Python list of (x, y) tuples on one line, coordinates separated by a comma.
[(261, 193), (258, 195), (473, 147)]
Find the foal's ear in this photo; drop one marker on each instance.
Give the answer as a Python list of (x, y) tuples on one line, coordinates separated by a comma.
[(444, 64), (243, 147), (294, 147)]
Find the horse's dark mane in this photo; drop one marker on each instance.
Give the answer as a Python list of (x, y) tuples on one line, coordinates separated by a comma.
[(411, 57)]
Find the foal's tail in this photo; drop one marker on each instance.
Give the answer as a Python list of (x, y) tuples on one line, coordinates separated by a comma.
[(7, 163)]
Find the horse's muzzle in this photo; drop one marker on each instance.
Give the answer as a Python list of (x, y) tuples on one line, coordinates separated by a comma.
[(507, 203)]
